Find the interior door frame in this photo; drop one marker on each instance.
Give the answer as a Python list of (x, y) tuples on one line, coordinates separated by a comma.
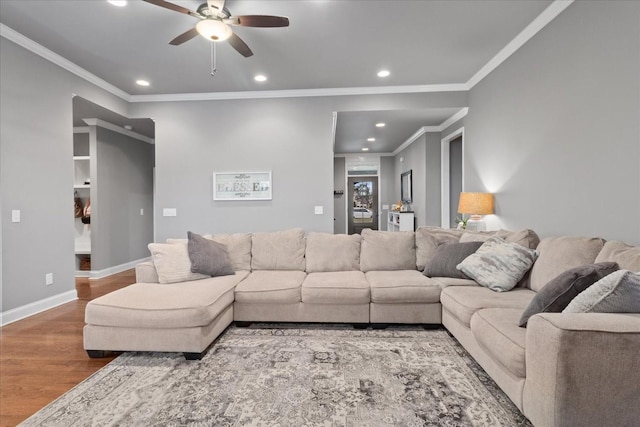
[(445, 163), (349, 159)]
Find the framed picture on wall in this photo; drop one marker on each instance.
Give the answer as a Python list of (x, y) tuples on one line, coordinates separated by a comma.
[(242, 186)]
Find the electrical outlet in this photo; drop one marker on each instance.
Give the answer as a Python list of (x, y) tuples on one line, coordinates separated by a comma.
[(169, 212), (15, 215), (48, 279), (318, 210)]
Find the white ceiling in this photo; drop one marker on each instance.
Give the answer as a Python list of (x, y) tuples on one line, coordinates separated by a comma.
[(331, 44)]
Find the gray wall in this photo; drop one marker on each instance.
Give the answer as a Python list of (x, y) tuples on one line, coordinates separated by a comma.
[(555, 130), (414, 159), (290, 136), (387, 185), (36, 173), (455, 178), (432, 178), (122, 185), (339, 204)]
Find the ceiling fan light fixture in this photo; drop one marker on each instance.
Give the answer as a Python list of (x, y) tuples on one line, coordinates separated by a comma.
[(213, 30)]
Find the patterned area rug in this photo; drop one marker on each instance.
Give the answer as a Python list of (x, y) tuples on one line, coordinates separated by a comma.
[(293, 375)]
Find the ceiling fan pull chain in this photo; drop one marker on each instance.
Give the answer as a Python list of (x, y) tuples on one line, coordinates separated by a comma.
[(214, 59)]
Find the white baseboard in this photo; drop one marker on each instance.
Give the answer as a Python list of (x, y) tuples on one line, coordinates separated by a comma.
[(100, 274), (36, 307)]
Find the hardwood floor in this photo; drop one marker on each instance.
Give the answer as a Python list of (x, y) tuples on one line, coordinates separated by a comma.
[(42, 357)]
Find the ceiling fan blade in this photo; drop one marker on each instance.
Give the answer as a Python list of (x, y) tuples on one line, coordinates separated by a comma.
[(173, 7), (184, 37), (264, 21), (238, 44)]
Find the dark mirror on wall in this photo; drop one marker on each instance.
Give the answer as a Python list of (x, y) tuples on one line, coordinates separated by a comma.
[(406, 190)]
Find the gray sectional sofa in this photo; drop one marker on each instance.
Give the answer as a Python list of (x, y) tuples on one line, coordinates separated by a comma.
[(563, 369)]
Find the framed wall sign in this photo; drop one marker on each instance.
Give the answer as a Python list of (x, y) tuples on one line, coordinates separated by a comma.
[(242, 186)]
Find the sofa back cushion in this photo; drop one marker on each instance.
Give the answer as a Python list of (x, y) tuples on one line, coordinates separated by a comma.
[(238, 247), (280, 250), (332, 252), (526, 237), (429, 238), (387, 250), (558, 254), (627, 256)]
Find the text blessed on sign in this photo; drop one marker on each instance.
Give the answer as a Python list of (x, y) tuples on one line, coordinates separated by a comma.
[(242, 186)]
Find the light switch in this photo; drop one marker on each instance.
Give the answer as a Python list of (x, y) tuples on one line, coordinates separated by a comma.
[(385, 207), (318, 210), (141, 211), (15, 216), (169, 212)]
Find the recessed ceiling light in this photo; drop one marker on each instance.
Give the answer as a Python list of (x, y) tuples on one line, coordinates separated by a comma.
[(380, 125), (142, 83), (371, 139), (384, 73), (118, 3), (260, 78), (365, 149)]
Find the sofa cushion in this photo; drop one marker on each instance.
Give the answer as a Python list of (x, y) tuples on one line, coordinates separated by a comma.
[(558, 293), (265, 286), (179, 305), (208, 257), (454, 281), (386, 250), (498, 265), (447, 256), (332, 252), (558, 254), (429, 238), (239, 248), (172, 263), (463, 301), (496, 331), (280, 250), (336, 287), (527, 238), (402, 286), (626, 256), (618, 292)]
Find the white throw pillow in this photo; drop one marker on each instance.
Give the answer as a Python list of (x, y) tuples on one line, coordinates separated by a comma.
[(172, 263), (498, 265), (618, 292)]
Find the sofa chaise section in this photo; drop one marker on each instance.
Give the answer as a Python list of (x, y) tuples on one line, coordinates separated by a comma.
[(184, 317)]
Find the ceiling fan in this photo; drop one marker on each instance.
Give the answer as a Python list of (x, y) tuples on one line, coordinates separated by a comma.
[(215, 22)]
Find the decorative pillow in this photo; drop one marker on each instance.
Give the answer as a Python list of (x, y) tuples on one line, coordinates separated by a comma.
[(618, 292), (172, 262), (525, 237), (332, 252), (208, 257), (498, 265), (558, 293), (447, 256)]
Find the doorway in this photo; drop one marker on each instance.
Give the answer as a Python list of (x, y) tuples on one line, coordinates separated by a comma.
[(452, 176), (455, 177), (363, 204)]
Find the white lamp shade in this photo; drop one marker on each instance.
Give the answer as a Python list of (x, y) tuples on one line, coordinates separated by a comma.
[(213, 30)]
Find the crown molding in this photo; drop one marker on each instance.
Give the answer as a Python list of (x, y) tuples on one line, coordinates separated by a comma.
[(425, 129), (118, 129), (553, 10), (541, 21), (299, 93), (14, 36)]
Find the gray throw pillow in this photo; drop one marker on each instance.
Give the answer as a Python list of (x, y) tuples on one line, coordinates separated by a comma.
[(558, 293), (208, 257), (619, 292), (447, 256), (498, 265)]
